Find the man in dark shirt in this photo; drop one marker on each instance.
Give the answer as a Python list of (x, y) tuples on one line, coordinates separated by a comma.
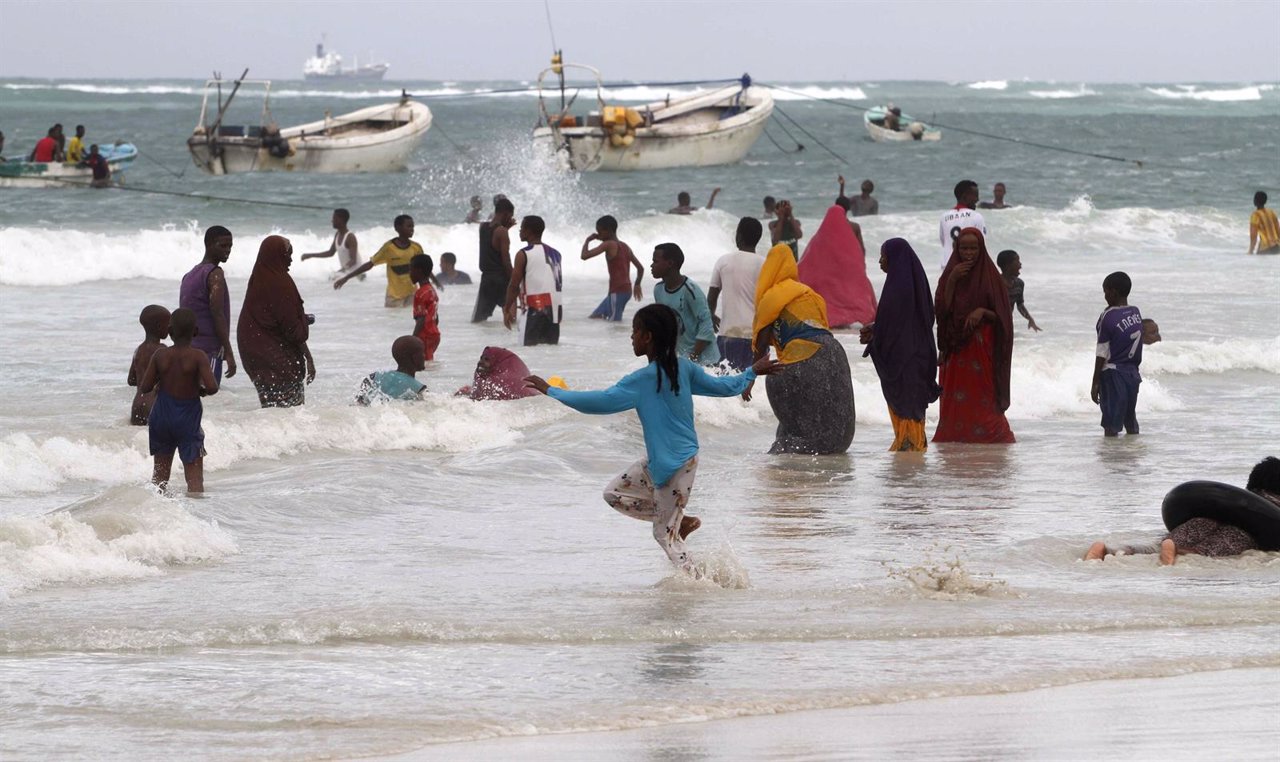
[(101, 170), (449, 273), (1010, 265)]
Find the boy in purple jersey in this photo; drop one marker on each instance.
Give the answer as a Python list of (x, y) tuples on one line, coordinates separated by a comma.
[(1115, 369)]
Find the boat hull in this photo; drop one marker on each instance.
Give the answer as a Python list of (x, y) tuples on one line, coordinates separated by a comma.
[(883, 135), (320, 147), (698, 144), (36, 174), (366, 75)]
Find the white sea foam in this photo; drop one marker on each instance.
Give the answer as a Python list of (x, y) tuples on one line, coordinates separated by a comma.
[(1079, 92), (119, 456), (991, 84), (1194, 93), (125, 533)]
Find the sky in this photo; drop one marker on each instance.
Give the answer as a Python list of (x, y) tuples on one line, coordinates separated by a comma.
[(801, 40)]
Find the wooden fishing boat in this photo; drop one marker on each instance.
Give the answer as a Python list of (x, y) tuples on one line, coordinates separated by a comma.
[(910, 129), (39, 174), (704, 129), (373, 139)]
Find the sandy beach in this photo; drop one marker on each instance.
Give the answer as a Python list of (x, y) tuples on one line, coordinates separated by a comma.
[(1232, 714)]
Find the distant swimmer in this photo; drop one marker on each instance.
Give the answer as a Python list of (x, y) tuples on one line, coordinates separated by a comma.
[(401, 383), (863, 204), (155, 321), (769, 203), (684, 201), (344, 245), (1264, 229), (395, 254), (786, 228), (619, 260), (1010, 265), (204, 292), (537, 275), (477, 208), (960, 217), (449, 274), (656, 487), (180, 376), (997, 192), (75, 148), (495, 259), (1215, 537)]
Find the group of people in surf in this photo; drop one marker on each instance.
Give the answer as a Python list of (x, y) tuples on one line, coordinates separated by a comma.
[(770, 315)]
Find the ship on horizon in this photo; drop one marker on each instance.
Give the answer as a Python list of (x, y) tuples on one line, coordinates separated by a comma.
[(328, 65)]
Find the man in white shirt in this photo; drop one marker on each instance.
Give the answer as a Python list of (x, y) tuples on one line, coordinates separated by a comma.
[(735, 277), (961, 217)]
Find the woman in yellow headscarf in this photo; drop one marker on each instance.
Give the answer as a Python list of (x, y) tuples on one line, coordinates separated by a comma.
[(813, 396)]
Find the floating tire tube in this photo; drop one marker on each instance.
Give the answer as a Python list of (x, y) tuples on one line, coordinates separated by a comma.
[(1223, 502)]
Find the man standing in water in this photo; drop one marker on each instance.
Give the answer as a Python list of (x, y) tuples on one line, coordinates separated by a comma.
[(495, 260), (734, 277), (684, 203), (961, 217), (537, 274), (204, 292), (344, 245)]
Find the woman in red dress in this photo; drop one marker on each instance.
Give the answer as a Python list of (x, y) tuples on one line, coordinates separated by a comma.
[(975, 345)]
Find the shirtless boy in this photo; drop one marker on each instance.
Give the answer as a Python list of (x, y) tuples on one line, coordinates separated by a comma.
[(155, 321), (181, 375)]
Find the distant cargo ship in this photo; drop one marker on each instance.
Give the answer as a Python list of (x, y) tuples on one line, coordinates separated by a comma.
[(329, 66)]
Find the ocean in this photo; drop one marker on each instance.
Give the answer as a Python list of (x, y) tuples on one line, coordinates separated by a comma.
[(418, 578)]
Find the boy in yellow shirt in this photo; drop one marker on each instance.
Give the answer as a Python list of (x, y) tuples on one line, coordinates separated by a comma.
[(1264, 229), (395, 254)]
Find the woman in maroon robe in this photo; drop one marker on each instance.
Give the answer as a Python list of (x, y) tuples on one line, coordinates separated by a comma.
[(975, 345), (273, 329)]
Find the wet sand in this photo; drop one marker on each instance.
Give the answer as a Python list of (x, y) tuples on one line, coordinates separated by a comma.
[(1233, 714)]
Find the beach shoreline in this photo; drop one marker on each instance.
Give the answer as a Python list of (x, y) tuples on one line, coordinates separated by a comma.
[(1192, 716)]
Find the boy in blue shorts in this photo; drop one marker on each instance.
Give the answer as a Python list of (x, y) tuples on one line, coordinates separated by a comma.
[(1119, 353), (410, 355), (181, 375)]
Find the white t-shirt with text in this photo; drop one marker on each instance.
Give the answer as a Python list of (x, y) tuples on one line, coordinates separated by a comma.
[(952, 223)]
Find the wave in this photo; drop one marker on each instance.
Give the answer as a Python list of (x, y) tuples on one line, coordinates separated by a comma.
[(630, 93), (126, 533), (1080, 92), (1193, 93), (441, 423), (993, 84)]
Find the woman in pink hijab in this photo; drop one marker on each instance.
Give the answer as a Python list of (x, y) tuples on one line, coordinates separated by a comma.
[(835, 266), (499, 375)]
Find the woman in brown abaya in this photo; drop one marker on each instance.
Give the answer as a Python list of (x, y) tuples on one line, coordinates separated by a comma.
[(273, 329)]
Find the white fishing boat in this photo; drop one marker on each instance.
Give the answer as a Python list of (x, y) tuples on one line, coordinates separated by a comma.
[(40, 174), (701, 130), (909, 129), (328, 65), (373, 139)]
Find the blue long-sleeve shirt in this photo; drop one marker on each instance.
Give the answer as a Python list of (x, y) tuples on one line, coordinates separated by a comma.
[(667, 418)]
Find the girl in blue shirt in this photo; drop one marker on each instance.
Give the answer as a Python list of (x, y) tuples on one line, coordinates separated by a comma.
[(656, 487)]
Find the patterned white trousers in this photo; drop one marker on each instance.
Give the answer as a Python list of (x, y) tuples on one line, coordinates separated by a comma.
[(633, 493)]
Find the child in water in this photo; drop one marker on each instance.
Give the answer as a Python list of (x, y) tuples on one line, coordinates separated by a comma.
[(1010, 265), (155, 321), (181, 375), (1119, 353), (656, 487), (426, 304), (398, 384)]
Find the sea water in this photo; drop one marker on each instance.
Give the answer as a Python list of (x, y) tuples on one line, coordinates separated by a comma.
[(373, 580)]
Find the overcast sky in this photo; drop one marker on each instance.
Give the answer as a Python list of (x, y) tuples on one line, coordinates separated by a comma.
[(1077, 40)]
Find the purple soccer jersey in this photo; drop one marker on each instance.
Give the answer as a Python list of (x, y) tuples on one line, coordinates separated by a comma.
[(1120, 338)]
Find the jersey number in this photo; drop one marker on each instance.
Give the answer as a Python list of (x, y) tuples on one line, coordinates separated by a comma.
[(1137, 342)]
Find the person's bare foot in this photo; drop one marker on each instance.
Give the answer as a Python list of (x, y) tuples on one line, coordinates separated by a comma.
[(1096, 551), (689, 525), (1168, 552)]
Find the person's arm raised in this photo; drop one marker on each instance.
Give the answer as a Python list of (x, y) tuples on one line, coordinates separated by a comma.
[(711, 202)]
